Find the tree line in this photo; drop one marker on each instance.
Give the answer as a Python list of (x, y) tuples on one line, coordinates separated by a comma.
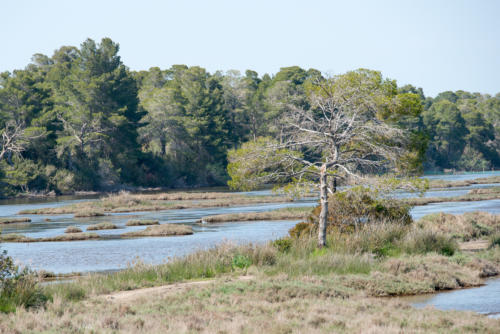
[(81, 120)]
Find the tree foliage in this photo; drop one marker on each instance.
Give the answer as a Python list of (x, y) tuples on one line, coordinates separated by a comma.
[(81, 120)]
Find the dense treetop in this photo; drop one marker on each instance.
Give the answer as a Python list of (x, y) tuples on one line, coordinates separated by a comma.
[(81, 120)]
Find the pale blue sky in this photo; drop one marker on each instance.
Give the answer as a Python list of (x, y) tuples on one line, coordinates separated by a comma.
[(436, 45)]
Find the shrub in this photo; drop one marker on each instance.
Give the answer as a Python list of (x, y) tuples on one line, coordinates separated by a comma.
[(301, 230), (18, 287), (283, 245), (352, 208), (241, 261)]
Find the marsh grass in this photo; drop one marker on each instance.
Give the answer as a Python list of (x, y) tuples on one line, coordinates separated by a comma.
[(143, 222), (464, 227), (14, 237), (463, 183), (102, 226), (73, 229), (126, 202), (472, 195), (264, 305), (360, 257), (163, 230), (280, 214), (88, 213), (12, 220)]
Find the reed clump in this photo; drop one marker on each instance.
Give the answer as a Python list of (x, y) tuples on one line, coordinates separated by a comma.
[(102, 226), (73, 229), (142, 222), (88, 213), (13, 220), (280, 214), (164, 230), (79, 236)]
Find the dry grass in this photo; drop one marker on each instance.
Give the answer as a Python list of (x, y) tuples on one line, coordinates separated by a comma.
[(463, 183), (468, 226), (280, 214), (73, 229), (263, 305), (143, 222), (126, 202), (300, 289), (491, 190), (164, 230), (102, 226), (13, 237), (88, 213), (472, 195), (185, 196), (11, 220)]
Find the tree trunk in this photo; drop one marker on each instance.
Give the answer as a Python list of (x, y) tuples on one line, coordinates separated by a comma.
[(324, 207)]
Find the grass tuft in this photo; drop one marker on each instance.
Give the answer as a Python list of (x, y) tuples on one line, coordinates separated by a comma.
[(73, 229), (102, 226), (164, 230), (143, 222)]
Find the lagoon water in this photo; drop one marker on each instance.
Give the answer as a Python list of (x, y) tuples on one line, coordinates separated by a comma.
[(114, 254)]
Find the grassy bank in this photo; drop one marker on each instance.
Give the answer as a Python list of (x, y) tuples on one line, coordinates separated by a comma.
[(280, 214), (126, 202), (293, 285)]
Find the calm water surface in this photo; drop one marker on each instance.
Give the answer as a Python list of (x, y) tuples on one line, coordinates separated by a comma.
[(484, 300), (113, 254)]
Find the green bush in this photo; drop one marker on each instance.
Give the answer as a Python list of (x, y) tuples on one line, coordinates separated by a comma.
[(241, 262), (18, 287), (283, 245)]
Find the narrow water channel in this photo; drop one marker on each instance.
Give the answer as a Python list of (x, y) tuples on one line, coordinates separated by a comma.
[(484, 300)]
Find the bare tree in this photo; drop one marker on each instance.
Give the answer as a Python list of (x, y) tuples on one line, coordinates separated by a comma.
[(339, 135), (15, 137)]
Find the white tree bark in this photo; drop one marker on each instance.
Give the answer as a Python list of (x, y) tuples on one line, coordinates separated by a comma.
[(323, 216)]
